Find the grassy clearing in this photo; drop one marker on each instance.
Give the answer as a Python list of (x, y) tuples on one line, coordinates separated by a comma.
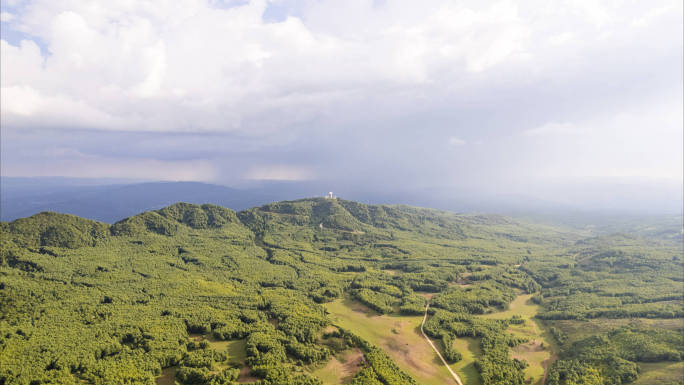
[(470, 350), (539, 351), (399, 336), (521, 305), (341, 367), (660, 373), (237, 353), (236, 350)]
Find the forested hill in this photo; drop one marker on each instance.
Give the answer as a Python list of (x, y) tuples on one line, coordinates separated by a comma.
[(205, 295)]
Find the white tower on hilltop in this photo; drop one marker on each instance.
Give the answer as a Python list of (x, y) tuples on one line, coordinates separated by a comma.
[(330, 195)]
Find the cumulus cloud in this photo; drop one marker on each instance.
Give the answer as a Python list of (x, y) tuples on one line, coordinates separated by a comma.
[(193, 66), (282, 89), (454, 141)]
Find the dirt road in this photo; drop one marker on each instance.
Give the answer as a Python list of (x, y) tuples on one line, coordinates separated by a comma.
[(456, 377)]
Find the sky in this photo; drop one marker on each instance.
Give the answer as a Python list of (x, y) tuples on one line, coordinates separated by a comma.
[(531, 97)]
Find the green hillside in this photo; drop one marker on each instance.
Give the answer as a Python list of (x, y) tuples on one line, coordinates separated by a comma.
[(204, 295)]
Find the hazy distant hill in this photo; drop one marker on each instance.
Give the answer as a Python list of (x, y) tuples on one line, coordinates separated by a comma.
[(110, 203), (110, 200)]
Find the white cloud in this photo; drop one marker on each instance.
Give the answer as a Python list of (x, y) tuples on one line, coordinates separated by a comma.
[(357, 77), (454, 141), (553, 128), (6, 17), (561, 38), (191, 66), (22, 105), (647, 144)]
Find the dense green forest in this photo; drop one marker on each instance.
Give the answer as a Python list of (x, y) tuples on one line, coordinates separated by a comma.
[(224, 297)]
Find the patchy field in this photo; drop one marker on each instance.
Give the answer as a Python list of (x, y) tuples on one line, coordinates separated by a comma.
[(539, 351), (235, 349), (399, 336), (660, 373), (577, 330)]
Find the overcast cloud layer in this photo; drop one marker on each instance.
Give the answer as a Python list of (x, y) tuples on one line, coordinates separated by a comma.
[(497, 95)]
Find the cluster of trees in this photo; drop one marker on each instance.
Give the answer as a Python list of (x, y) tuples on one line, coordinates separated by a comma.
[(495, 366), (478, 299), (613, 356), (201, 366), (508, 276), (449, 352), (612, 277), (380, 302)]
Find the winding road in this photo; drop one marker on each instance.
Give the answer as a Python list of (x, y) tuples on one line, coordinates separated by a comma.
[(456, 377)]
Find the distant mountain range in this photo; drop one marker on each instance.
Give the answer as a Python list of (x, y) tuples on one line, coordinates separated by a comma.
[(112, 202)]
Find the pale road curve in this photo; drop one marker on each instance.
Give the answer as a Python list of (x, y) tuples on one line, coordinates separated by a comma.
[(456, 377)]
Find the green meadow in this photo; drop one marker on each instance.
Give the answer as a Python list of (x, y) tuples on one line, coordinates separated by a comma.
[(399, 336)]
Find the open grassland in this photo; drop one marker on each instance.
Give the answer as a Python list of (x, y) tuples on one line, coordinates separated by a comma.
[(470, 350), (398, 336), (664, 373), (539, 351)]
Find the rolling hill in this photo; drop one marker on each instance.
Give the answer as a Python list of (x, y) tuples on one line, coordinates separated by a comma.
[(294, 292)]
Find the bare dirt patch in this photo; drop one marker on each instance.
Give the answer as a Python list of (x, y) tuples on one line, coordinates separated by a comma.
[(463, 280), (405, 353), (246, 375), (341, 368), (528, 347), (352, 361), (167, 377), (428, 296)]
